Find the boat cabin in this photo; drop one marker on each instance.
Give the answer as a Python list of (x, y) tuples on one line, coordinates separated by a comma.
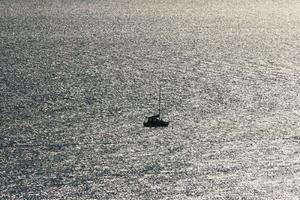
[(155, 121)]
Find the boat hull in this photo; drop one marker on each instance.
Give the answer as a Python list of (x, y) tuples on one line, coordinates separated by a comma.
[(156, 124)]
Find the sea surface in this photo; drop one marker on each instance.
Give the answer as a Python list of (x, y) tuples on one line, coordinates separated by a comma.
[(78, 78)]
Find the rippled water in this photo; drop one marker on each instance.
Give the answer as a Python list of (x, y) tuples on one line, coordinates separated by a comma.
[(78, 77)]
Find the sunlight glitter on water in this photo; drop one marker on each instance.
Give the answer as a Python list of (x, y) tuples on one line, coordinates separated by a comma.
[(78, 78)]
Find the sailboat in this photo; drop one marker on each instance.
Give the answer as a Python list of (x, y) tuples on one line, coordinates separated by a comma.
[(156, 120)]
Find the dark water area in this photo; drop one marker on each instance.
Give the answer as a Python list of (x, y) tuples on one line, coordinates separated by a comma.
[(77, 79)]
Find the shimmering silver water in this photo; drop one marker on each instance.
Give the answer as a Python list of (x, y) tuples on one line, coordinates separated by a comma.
[(78, 77)]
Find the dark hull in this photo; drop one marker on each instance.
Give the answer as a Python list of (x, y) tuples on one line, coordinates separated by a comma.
[(156, 124)]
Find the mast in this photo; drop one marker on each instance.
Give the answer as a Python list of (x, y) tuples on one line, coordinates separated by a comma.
[(159, 99)]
